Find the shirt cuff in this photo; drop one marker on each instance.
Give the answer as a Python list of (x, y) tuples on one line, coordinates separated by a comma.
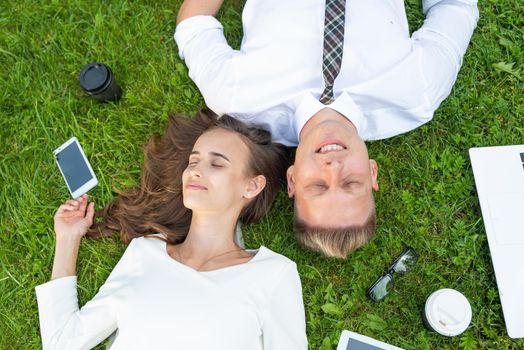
[(428, 4), (190, 27), (56, 298)]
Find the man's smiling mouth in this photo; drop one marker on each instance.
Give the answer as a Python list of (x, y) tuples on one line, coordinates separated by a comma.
[(332, 147)]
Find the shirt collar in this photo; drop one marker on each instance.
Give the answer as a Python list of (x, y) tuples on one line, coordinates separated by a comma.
[(343, 104)]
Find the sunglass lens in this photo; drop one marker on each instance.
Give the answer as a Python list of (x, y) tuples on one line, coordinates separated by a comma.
[(406, 261), (381, 288)]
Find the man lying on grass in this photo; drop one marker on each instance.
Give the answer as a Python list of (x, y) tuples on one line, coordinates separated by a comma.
[(325, 76)]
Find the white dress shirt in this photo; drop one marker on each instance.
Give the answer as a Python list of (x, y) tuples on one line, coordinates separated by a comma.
[(155, 302), (389, 83)]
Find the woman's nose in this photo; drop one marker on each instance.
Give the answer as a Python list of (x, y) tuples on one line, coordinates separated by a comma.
[(195, 172)]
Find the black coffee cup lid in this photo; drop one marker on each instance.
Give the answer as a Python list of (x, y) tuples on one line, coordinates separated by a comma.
[(94, 76)]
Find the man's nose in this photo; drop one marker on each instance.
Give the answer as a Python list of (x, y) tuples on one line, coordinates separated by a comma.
[(332, 162)]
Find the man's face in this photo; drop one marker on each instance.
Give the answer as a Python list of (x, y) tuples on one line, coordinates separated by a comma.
[(332, 178)]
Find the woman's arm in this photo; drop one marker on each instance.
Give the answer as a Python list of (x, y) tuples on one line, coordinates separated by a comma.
[(62, 324), (72, 220)]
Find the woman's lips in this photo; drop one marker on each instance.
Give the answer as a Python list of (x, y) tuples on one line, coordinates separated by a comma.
[(195, 186)]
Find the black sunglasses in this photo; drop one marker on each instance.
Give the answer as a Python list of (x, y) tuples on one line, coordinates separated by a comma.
[(383, 285)]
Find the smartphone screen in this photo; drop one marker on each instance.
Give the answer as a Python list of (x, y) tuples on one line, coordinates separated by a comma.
[(74, 167)]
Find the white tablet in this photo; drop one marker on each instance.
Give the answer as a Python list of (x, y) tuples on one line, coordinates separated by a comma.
[(354, 341), (75, 168)]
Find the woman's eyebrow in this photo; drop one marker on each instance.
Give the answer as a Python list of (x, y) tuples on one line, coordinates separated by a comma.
[(216, 154)]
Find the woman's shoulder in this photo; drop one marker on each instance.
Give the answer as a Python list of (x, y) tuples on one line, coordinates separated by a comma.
[(275, 272), (150, 242), (273, 260), (274, 256)]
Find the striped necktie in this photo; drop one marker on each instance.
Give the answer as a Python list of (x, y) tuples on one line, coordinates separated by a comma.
[(333, 46)]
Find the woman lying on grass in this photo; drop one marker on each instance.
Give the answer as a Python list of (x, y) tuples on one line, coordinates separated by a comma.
[(192, 287)]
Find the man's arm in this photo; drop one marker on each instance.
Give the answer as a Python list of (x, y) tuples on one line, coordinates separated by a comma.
[(442, 42), (192, 8), (204, 48)]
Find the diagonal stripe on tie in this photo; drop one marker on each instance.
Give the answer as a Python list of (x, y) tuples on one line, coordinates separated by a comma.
[(333, 45)]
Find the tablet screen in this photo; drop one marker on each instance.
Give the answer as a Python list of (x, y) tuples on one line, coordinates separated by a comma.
[(354, 344), (73, 166)]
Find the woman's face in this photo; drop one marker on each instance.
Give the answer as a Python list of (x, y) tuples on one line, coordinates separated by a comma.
[(216, 179)]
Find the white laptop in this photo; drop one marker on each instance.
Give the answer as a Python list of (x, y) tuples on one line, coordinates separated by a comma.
[(499, 177), (354, 341)]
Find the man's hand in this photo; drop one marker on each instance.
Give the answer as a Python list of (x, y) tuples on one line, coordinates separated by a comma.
[(192, 8)]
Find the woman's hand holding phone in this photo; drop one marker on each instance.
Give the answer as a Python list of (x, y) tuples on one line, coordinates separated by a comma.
[(72, 220)]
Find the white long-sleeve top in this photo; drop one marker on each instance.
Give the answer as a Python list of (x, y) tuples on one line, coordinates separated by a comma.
[(154, 302), (389, 83)]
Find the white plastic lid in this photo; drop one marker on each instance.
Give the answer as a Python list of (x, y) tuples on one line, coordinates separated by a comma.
[(448, 312)]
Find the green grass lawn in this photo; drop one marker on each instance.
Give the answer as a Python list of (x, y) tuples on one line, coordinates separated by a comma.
[(427, 198)]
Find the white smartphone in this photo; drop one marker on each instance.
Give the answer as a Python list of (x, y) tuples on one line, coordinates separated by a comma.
[(75, 168)]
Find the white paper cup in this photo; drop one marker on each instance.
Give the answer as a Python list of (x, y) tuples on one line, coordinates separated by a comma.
[(447, 312)]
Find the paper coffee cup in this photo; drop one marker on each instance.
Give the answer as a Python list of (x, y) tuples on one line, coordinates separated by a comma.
[(447, 312), (98, 80)]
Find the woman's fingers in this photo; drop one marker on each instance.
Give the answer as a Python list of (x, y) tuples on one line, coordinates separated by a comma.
[(90, 213), (82, 203), (73, 207), (72, 202), (65, 208)]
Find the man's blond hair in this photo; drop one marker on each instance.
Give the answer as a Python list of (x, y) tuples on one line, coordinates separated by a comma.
[(334, 242)]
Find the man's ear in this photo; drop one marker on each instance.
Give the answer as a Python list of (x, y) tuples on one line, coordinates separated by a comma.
[(374, 174), (290, 181), (255, 186)]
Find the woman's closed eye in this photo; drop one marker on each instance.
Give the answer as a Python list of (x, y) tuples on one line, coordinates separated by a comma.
[(214, 164)]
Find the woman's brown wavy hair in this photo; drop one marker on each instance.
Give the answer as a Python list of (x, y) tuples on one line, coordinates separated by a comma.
[(156, 206)]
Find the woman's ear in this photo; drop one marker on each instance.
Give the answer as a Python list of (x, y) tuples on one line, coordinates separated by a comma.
[(255, 186)]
